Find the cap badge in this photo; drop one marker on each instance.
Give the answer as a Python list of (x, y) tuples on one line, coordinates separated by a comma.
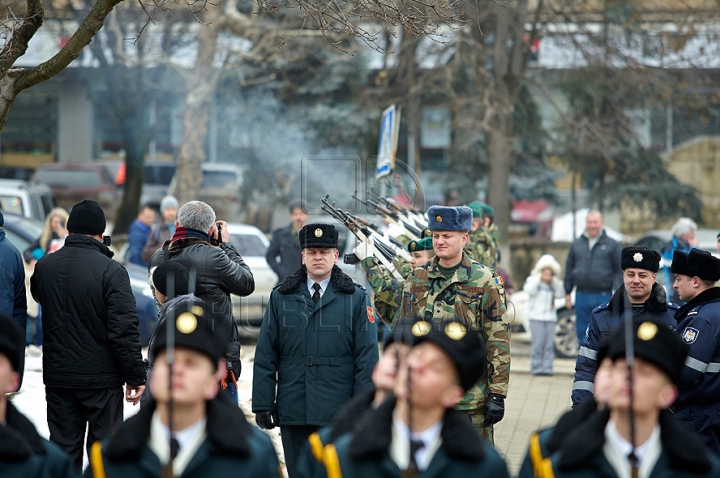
[(438, 218), (318, 232), (420, 328), (455, 330), (647, 331), (186, 323), (413, 245), (638, 257)]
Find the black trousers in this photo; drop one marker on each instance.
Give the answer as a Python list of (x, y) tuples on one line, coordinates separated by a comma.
[(294, 439), (70, 412)]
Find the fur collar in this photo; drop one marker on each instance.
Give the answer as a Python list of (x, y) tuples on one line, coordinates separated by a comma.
[(19, 439), (568, 422), (373, 434), (340, 281), (347, 417), (655, 303), (185, 242), (584, 443), (227, 430), (708, 295)]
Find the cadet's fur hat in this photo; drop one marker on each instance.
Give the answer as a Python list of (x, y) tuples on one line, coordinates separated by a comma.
[(424, 244), (86, 217), (477, 209), (653, 342), (320, 236), (640, 257), (402, 332), (197, 327), (443, 218), (696, 263), (12, 341), (462, 344), (181, 278)]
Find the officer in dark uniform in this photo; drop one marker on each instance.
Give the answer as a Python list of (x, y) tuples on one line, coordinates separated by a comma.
[(699, 327), (419, 433), (210, 436), (317, 346), (645, 296), (600, 445)]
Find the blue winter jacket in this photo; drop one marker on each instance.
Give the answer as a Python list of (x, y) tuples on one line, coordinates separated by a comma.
[(607, 318)]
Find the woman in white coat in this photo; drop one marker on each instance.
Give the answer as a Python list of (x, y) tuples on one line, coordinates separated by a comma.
[(543, 286)]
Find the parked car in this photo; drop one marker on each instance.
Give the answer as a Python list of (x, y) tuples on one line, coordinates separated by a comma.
[(73, 182), (28, 199), (220, 188), (566, 343), (23, 231), (156, 180), (252, 245)]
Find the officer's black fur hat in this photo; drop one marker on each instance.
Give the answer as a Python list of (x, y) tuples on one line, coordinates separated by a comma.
[(86, 217), (462, 344), (321, 236), (696, 263), (655, 343), (181, 278), (640, 257), (12, 341), (444, 218), (197, 327)]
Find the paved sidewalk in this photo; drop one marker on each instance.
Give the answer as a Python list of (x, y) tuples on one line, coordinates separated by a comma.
[(533, 402)]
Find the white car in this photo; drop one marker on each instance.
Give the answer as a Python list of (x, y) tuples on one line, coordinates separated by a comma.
[(566, 343), (252, 245)]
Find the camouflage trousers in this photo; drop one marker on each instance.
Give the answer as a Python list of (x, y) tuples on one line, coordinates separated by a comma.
[(477, 419)]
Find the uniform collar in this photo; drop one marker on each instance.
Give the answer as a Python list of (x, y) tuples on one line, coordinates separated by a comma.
[(462, 274)]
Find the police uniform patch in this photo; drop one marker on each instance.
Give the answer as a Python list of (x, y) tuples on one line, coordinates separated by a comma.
[(370, 314), (690, 335)]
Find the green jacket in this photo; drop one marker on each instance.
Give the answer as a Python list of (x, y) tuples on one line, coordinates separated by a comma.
[(482, 248), (317, 356), (232, 448), (364, 452), (387, 290), (475, 294), (25, 454)]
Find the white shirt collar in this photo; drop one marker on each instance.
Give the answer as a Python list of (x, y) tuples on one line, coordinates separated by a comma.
[(617, 449), (323, 285), (400, 446), (190, 438)]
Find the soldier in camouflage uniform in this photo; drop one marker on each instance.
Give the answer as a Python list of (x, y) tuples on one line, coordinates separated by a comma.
[(452, 285), (386, 288), (480, 246), (490, 226)]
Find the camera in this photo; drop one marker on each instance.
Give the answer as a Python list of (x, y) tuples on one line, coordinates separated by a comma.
[(217, 240)]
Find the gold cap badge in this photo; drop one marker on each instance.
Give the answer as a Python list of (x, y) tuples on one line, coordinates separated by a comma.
[(455, 330), (413, 245), (186, 323), (421, 328), (438, 218), (318, 232), (647, 331)]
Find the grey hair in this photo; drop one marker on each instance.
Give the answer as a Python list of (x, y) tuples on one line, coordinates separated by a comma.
[(683, 226), (196, 215)]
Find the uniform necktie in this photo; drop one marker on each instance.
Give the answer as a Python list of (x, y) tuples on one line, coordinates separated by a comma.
[(174, 447), (316, 294), (415, 446)]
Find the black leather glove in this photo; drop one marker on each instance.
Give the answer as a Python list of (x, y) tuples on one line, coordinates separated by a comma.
[(266, 419), (494, 410)]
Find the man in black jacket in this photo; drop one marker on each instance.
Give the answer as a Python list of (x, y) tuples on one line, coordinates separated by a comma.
[(91, 336), (283, 255), (216, 268)]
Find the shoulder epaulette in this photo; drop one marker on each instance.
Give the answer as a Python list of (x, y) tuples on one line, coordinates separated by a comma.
[(360, 285)]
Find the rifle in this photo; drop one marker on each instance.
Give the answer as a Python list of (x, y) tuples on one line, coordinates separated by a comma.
[(397, 217), (386, 253)]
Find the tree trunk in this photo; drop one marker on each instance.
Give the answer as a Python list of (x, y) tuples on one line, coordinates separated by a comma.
[(136, 143), (197, 111)]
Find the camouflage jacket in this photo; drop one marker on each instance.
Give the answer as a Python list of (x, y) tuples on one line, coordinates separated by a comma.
[(481, 248), (387, 290), (494, 232), (475, 294)]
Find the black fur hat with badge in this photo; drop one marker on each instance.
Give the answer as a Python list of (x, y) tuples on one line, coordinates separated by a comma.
[(462, 344), (696, 263), (197, 328), (654, 343), (320, 236), (640, 257)]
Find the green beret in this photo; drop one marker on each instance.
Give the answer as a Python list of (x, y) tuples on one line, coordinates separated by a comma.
[(487, 209), (477, 208), (424, 244)]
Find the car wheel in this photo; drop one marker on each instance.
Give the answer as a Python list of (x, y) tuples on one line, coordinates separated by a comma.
[(566, 343)]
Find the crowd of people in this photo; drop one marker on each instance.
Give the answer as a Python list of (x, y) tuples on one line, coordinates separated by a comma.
[(646, 384)]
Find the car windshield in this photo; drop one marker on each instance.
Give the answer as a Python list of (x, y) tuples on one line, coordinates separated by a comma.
[(159, 174), (248, 245), (218, 178), (69, 178)]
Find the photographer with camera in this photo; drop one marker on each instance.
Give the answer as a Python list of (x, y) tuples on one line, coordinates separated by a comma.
[(201, 244)]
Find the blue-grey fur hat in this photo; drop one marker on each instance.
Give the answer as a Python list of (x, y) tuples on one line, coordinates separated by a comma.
[(443, 218)]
